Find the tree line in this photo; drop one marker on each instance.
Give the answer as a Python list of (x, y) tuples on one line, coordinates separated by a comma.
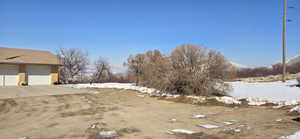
[(275, 69), (77, 68), (189, 69)]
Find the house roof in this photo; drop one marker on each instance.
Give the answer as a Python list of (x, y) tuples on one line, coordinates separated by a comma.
[(26, 56)]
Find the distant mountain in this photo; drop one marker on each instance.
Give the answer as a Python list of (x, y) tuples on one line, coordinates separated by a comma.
[(293, 60), (290, 61), (238, 66)]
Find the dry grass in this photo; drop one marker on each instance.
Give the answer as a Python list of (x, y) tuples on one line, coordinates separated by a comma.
[(88, 111), (223, 135), (6, 104)]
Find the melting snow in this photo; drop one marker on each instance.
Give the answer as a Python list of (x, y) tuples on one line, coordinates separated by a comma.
[(23, 138), (228, 123), (181, 131), (228, 100), (272, 91), (295, 109), (296, 135), (108, 134), (198, 116), (128, 86), (208, 126)]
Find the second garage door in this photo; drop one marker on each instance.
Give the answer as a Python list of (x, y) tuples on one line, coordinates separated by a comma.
[(38, 74)]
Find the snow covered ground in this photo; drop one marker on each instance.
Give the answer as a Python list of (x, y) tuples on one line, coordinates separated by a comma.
[(128, 86), (256, 93), (274, 91)]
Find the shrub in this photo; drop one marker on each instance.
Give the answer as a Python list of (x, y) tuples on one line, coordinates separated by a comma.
[(57, 83), (189, 70), (24, 84)]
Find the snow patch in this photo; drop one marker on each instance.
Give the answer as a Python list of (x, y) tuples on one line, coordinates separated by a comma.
[(208, 126), (108, 134), (228, 123), (296, 135), (271, 91), (295, 109), (256, 101), (199, 116), (127, 86), (23, 138), (181, 131), (228, 100)]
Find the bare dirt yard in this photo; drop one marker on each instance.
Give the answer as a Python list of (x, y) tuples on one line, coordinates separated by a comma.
[(133, 116)]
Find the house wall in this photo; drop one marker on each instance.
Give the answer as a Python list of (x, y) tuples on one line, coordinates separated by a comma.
[(22, 74), (54, 74)]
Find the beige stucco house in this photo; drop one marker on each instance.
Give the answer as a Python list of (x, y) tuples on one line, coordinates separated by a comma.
[(34, 67)]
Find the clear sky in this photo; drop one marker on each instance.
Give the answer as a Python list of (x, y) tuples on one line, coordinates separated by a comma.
[(245, 31)]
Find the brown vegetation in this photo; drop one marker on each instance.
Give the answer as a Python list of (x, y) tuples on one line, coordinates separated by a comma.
[(102, 70), (189, 69), (73, 64), (276, 69)]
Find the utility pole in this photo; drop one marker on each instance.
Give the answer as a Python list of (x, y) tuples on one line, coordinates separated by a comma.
[(284, 41)]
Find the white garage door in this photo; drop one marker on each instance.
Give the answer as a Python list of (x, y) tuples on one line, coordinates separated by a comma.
[(9, 75), (38, 74)]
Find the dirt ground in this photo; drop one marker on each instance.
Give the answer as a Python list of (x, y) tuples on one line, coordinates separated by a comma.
[(69, 116), (25, 91)]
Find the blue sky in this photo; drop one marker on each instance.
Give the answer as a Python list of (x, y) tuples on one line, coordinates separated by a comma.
[(245, 31)]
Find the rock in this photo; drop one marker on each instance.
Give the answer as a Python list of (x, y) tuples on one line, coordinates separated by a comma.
[(108, 134), (130, 130)]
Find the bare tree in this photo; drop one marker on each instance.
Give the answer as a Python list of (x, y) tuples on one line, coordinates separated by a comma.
[(135, 65), (73, 63), (189, 70), (102, 70), (156, 68), (218, 65)]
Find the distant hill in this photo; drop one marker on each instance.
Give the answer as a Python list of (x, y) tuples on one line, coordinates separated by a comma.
[(289, 62), (293, 60), (238, 66)]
